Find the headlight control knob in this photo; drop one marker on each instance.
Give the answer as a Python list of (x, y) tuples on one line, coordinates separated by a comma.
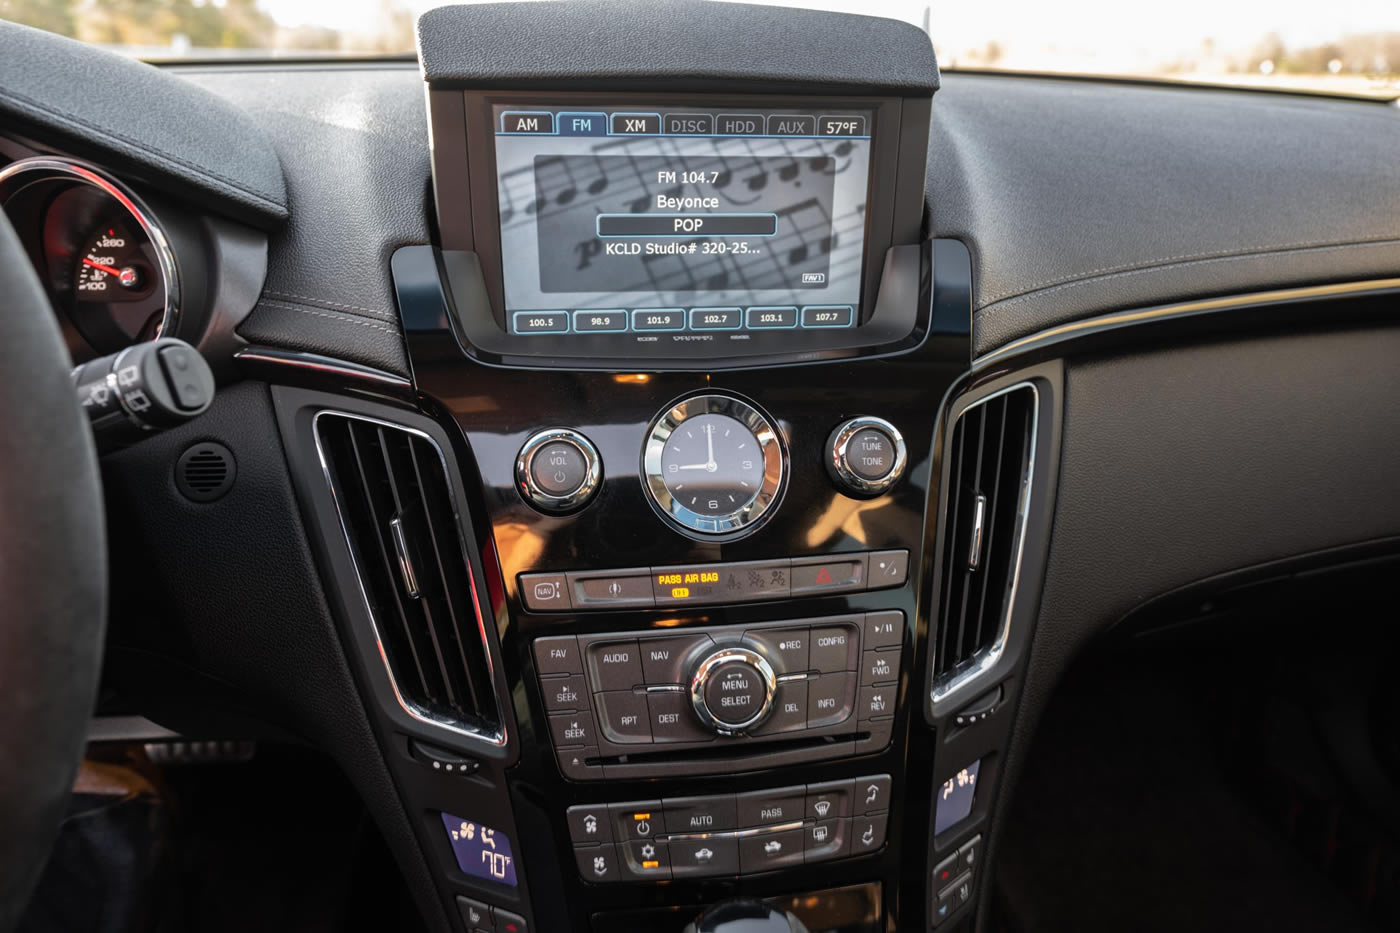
[(558, 470), (732, 690), (865, 456)]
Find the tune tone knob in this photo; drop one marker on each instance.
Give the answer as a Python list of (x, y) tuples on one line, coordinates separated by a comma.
[(732, 690), (865, 456), (558, 470)]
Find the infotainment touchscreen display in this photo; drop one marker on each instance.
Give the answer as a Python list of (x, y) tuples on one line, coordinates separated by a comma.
[(674, 223)]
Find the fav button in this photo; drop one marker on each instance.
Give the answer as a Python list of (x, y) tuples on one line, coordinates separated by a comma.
[(557, 656)]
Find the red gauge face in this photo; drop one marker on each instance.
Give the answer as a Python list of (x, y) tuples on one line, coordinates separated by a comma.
[(112, 266)]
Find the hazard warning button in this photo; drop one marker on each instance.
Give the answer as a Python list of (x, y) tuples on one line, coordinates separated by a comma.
[(836, 574)]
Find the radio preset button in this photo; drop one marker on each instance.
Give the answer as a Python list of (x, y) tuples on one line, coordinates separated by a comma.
[(775, 317), (658, 319)]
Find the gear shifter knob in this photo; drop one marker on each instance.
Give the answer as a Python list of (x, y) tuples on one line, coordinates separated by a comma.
[(745, 916)]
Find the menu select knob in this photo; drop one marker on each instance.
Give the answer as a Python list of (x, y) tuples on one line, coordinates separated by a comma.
[(865, 456), (732, 690), (558, 470)]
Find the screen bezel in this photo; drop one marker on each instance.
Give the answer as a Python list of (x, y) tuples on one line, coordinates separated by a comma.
[(489, 198), (462, 131), (481, 159)]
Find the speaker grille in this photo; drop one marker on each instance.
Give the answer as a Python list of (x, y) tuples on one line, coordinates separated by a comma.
[(205, 471)]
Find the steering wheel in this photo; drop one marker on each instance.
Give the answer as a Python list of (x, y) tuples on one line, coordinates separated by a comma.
[(53, 578)]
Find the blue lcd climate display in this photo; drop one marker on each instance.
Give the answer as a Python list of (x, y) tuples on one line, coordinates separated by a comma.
[(480, 850), (631, 210), (955, 798)]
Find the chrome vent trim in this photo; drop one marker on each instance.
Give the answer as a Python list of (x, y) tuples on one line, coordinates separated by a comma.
[(487, 724), (962, 672)]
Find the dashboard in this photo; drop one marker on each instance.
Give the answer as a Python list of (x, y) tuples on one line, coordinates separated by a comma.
[(655, 457)]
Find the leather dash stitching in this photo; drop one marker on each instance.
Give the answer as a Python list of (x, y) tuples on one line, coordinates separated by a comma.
[(1234, 257), (331, 315)]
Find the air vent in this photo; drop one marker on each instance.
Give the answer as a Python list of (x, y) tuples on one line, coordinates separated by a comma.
[(397, 510), (989, 469)]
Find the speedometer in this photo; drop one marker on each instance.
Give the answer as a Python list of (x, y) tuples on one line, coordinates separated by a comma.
[(106, 260), (112, 266)]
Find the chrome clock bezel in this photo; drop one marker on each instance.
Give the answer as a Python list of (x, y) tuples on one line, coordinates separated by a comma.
[(742, 520)]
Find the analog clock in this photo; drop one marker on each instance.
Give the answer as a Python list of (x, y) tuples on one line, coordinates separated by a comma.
[(714, 465)]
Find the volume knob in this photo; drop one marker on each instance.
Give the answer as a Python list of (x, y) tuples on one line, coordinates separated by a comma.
[(732, 690)]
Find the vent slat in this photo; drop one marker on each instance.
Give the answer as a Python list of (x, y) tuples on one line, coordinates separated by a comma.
[(989, 456), (382, 551), (433, 642)]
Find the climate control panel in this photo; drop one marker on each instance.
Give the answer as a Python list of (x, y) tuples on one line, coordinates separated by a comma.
[(730, 834), (619, 703)]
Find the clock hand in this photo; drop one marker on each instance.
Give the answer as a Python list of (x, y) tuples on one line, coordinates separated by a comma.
[(694, 466), (710, 447)]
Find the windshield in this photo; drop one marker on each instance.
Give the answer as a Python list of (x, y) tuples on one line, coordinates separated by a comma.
[(1340, 46)]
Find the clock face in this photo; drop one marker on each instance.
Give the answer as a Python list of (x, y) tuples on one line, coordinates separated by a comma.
[(714, 465)]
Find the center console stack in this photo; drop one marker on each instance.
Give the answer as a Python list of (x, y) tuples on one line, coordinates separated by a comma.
[(681, 351)]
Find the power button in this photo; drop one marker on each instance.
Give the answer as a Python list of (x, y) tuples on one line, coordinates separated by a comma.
[(558, 470)]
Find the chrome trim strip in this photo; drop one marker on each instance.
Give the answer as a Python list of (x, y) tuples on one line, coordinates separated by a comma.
[(128, 729), (410, 576), (315, 361), (1119, 319), (979, 518), (982, 662), (498, 738), (92, 175)]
